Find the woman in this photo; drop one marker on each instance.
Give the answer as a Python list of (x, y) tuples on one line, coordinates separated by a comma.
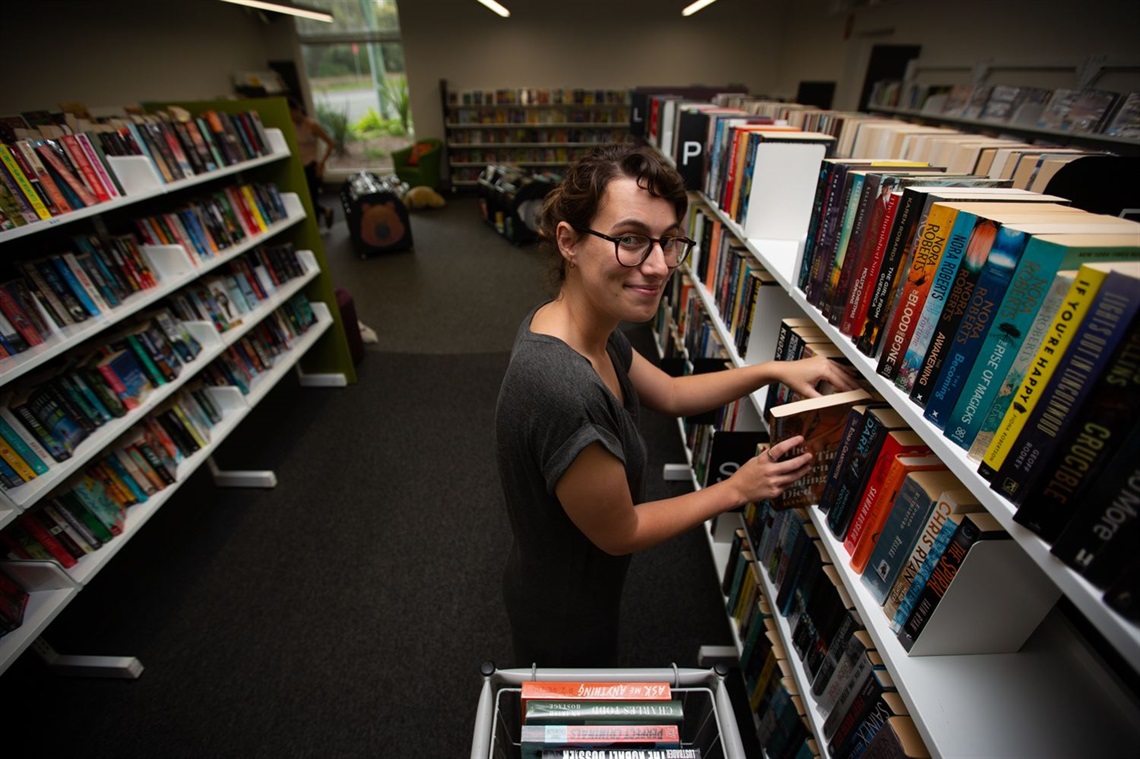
[(571, 458), (309, 133)]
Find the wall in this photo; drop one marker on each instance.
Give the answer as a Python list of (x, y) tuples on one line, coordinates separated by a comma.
[(586, 43), (188, 49), (115, 52), (960, 33)]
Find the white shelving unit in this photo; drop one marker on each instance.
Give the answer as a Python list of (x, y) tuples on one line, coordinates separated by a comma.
[(1054, 698), (50, 586)]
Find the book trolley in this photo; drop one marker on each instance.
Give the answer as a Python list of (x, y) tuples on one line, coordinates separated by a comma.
[(709, 724)]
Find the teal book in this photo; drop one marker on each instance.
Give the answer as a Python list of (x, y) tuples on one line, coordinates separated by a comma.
[(13, 439), (988, 294)]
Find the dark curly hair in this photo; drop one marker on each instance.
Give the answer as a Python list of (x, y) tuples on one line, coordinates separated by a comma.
[(576, 198)]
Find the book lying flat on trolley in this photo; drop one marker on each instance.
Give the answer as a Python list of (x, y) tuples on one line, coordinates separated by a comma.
[(603, 713), (575, 690), (622, 753), (536, 739)]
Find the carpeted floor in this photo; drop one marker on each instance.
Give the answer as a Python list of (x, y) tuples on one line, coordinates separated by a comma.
[(346, 611)]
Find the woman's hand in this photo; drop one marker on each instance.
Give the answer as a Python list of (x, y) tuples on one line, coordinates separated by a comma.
[(803, 377), (765, 476)]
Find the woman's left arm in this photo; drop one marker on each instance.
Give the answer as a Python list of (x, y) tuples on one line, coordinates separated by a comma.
[(697, 393)]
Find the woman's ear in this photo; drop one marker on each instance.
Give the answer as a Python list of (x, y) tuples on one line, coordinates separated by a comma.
[(567, 238)]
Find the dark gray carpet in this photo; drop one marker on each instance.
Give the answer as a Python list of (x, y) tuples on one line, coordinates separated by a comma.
[(346, 611)]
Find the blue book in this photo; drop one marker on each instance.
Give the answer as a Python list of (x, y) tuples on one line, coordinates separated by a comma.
[(1044, 256), (916, 501), (945, 535), (74, 285), (1005, 254)]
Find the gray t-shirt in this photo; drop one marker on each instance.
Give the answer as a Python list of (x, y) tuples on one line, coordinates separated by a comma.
[(562, 593)]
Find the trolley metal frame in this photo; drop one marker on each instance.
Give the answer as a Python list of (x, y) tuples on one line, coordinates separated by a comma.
[(496, 728)]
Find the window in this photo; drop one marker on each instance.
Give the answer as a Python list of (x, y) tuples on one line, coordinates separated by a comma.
[(355, 69)]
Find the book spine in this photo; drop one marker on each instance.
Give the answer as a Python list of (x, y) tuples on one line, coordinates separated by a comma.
[(102, 176), (953, 310), (941, 575), (27, 193), (1023, 301), (985, 302), (1108, 333), (878, 309)]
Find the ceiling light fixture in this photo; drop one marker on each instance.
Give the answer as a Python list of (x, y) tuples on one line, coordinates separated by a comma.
[(693, 8), (496, 7), (288, 8)]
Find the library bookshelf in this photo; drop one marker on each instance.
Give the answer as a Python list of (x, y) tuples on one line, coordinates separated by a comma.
[(1056, 696), (319, 356), (540, 129)]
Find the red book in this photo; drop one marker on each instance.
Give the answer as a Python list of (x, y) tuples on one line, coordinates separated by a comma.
[(897, 443), (859, 300), (53, 159), (574, 690), (36, 529), (885, 501), (79, 158)]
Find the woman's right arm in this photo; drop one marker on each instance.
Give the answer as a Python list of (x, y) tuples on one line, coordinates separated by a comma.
[(594, 493)]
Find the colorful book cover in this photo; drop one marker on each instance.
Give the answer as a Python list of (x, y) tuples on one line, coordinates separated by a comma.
[(821, 421), (986, 299), (1043, 257), (957, 302), (1110, 325), (918, 278), (1066, 322)]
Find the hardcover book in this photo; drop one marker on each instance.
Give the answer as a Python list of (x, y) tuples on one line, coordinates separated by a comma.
[(821, 421)]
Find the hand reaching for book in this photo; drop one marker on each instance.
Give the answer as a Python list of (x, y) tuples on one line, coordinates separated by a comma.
[(766, 475), (811, 377)]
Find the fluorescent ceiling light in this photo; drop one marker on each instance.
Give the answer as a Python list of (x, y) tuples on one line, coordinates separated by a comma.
[(288, 8), (691, 9), (496, 7)]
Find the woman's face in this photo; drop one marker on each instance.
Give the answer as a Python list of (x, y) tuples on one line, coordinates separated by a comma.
[(621, 292)]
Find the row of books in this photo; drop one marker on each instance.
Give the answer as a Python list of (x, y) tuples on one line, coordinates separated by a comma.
[(850, 689), (224, 297), (484, 156), (537, 96), (468, 136), (255, 353), (508, 115), (1086, 110), (52, 163), (637, 718), (101, 272), (60, 406), (58, 290), (208, 225), (89, 511), (1027, 165)]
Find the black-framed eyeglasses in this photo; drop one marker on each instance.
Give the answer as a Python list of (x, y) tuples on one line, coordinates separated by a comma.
[(632, 249)]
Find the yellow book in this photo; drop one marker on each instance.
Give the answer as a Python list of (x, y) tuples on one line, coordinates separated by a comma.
[(1061, 330), (16, 461), (22, 182), (253, 207)]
